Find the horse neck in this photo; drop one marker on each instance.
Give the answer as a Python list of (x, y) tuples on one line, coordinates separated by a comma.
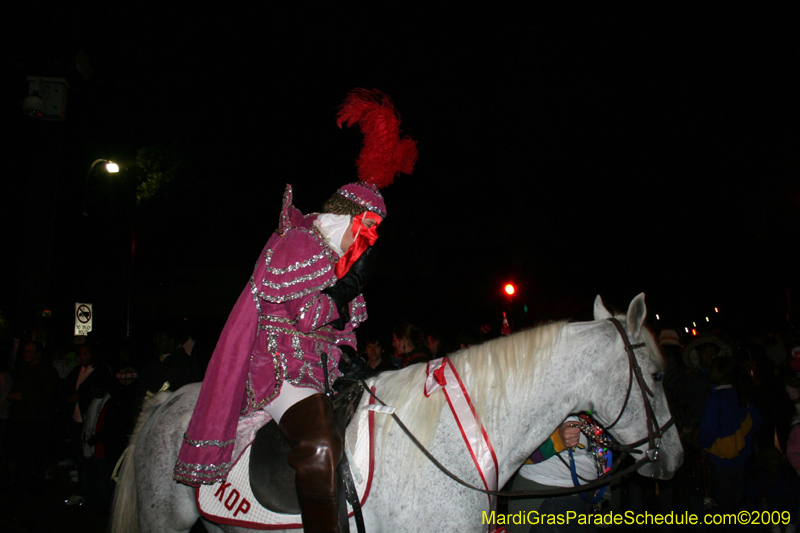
[(535, 409)]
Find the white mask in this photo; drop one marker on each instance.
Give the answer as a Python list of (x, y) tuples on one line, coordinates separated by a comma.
[(333, 228)]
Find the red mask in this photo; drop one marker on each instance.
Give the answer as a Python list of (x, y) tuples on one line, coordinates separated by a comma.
[(363, 238)]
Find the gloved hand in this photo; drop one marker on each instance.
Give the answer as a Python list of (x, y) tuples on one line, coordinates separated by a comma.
[(351, 285), (352, 366)]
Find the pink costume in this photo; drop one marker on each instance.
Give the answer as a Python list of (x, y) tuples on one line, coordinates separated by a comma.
[(276, 332)]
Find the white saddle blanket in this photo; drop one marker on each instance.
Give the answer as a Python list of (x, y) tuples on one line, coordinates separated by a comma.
[(232, 502)]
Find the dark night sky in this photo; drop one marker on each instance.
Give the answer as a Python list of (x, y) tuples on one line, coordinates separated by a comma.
[(576, 150)]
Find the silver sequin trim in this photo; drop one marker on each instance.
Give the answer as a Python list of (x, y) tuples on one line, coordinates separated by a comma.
[(252, 404), (326, 251), (317, 312), (295, 266), (256, 298), (330, 313), (296, 295), (358, 313), (199, 467), (272, 341), (204, 474), (353, 198), (333, 258), (206, 443), (274, 330), (304, 310), (305, 370), (300, 279), (298, 351)]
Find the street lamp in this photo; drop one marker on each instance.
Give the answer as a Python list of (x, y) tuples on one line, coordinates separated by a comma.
[(111, 168)]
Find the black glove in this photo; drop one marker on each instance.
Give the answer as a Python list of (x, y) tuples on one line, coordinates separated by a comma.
[(352, 366), (351, 285)]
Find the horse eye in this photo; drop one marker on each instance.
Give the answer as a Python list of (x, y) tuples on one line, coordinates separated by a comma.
[(657, 377)]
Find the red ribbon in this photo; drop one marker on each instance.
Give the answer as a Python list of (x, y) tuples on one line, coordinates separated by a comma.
[(439, 376)]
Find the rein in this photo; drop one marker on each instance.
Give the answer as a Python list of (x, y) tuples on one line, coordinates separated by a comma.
[(654, 433)]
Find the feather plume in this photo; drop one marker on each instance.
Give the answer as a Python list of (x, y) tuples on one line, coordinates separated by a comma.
[(384, 154)]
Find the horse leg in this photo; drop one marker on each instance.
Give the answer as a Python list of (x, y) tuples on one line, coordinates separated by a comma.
[(211, 527), (164, 505), (168, 509)]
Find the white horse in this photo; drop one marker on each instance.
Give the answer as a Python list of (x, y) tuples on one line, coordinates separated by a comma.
[(522, 386)]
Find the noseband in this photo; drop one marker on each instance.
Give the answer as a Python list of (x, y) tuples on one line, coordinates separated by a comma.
[(654, 432)]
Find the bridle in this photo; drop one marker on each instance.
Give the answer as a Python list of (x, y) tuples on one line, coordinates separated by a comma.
[(654, 431), (654, 434)]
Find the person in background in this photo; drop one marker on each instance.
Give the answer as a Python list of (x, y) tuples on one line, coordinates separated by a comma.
[(91, 372), (549, 468), (727, 428), (171, 364), (126, 368), (33, 401), (102, 441), (373, 352), (435, 341), (409, 345)]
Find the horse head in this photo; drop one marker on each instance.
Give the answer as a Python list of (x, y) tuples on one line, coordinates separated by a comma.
[(634, 408)]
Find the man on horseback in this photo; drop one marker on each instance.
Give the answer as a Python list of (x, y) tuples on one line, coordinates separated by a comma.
[(282, 340)]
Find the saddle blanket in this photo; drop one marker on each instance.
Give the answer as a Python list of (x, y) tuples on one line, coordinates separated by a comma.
[(232, 501)]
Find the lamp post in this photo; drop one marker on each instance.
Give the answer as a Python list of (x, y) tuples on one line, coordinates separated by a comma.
[(111, 168)]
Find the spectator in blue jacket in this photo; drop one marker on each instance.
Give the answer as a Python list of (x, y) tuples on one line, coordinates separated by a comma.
[(727, 427)]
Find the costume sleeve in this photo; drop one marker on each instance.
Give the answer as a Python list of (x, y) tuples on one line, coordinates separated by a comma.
[(548, 449), (358, 311), (287, 283)]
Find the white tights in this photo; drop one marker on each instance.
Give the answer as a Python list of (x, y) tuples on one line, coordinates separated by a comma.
[(288, 396)]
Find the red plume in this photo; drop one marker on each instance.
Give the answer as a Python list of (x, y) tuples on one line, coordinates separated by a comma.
[(384, 154)]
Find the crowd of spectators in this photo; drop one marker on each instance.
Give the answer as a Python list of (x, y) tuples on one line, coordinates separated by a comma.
[(734, 400), (67, 409)]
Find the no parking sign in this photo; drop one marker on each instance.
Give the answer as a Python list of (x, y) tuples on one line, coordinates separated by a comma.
[(83, 318)]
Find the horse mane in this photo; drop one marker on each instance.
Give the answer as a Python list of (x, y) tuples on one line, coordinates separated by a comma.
[(492, 369), (487, 370), (404, 390)]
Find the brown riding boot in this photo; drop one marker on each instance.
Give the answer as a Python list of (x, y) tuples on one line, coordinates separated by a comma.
[(311, 431)]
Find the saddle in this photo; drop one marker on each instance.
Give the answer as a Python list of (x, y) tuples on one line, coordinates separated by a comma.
[(271, 477)]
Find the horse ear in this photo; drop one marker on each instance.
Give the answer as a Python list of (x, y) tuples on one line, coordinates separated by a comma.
[(636, 315), (600, 311)]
